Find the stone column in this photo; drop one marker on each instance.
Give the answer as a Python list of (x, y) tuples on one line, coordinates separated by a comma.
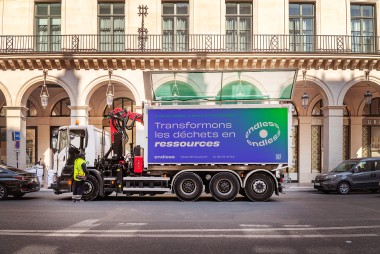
[(304, 156), (79, 115), (16, 122), (356, 139), (332, 137)]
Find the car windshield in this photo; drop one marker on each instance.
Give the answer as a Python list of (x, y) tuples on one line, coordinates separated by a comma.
[(345, 166)]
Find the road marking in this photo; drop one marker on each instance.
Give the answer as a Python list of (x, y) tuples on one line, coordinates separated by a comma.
[(118, 235), (83, 229), (297, 226), (80, 228), (132, 224), (254, 225)]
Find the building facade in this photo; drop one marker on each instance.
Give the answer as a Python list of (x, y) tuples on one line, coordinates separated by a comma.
[(76, 53)]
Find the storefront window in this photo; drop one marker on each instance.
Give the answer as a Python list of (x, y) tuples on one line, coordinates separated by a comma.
[(31, 145)]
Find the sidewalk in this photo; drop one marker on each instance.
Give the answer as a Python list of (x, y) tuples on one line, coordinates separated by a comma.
[(300, 187)]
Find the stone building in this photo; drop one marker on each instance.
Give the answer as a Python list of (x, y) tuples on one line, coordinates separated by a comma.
[(73, 51)]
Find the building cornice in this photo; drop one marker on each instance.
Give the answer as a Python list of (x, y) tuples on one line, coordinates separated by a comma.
[(188, 61)]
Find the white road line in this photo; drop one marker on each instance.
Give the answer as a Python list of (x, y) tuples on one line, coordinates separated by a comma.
[(79, 228), (297, 226), (254, 225), (266, 236), (73, 230)]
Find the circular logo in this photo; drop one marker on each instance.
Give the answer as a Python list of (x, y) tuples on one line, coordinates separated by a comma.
[(262, 134)]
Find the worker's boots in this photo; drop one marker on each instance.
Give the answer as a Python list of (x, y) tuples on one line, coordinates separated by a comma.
[(76, 198)]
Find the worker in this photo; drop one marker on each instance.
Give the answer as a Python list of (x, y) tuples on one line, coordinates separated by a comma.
[(80, 172)]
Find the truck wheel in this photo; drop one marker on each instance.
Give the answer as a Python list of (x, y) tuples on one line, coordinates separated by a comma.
[(224, 186), (91, 188), (3, 192), (259, 187), (188, 186)]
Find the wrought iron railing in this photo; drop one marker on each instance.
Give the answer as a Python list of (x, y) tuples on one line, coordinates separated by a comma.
[(190, 43)]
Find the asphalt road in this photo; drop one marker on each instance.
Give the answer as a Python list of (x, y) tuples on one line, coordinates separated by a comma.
[(300, 221)]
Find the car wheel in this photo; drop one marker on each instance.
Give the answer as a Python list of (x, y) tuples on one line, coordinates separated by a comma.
[(3, 192), (344, 188)]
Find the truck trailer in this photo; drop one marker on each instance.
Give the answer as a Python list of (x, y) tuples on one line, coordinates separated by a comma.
[(222, 149)]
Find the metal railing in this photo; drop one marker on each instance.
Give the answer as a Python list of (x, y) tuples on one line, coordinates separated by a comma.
[(190, 43)]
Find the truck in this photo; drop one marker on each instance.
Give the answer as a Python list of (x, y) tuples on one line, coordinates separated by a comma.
[(186, 150)]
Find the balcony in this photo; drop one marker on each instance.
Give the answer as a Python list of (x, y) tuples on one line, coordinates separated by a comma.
[(190, 43), (189, 51)]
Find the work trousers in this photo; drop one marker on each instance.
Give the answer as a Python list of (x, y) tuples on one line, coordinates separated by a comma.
[(78, 187)]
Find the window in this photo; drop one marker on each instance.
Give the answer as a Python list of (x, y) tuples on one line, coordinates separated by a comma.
[(372, 109), (238, 26), (301, 27), (31, 145), (32, 109), (48, 26), (61, 108), (3, 145), (362, 28), (317, 109), (2, 111), (111, 22), (124, 103), (175, 26)]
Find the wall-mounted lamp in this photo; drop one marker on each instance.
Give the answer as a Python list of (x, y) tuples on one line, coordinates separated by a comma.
[(175, 91), (367, 94), (240, 90), (305, 97), (110, 93), (44, 95)]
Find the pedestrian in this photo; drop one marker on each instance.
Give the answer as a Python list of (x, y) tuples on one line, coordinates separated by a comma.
[(41, 162), (80, 172)]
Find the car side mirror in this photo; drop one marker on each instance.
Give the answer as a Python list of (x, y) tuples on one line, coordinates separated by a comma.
[(54, 150), (355, 170)]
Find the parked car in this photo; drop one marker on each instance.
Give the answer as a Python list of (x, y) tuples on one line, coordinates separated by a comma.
[(353, 174), (16, 182)]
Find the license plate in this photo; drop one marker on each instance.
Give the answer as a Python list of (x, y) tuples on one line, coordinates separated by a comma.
[(317, 184)]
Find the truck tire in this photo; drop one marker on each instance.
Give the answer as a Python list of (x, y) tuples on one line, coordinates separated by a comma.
[(188, 186), (259, 187), (224, 187), (91, 188)]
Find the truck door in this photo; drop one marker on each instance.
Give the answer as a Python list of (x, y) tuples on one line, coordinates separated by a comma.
[(62, 153)]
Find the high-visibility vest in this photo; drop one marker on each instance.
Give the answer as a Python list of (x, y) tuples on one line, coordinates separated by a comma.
[(78, 170)]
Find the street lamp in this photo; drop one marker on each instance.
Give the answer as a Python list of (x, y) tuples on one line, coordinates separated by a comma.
[(305, 97), (367, 94), (110, 90), (44, 95), (368, 97)]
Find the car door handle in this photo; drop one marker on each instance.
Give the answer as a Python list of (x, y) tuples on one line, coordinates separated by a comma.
[(64, 158)]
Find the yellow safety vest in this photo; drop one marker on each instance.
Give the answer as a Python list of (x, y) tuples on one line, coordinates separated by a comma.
[(78, 168)]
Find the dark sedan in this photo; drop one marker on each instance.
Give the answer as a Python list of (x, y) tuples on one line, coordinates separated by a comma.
[(16, 182)]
